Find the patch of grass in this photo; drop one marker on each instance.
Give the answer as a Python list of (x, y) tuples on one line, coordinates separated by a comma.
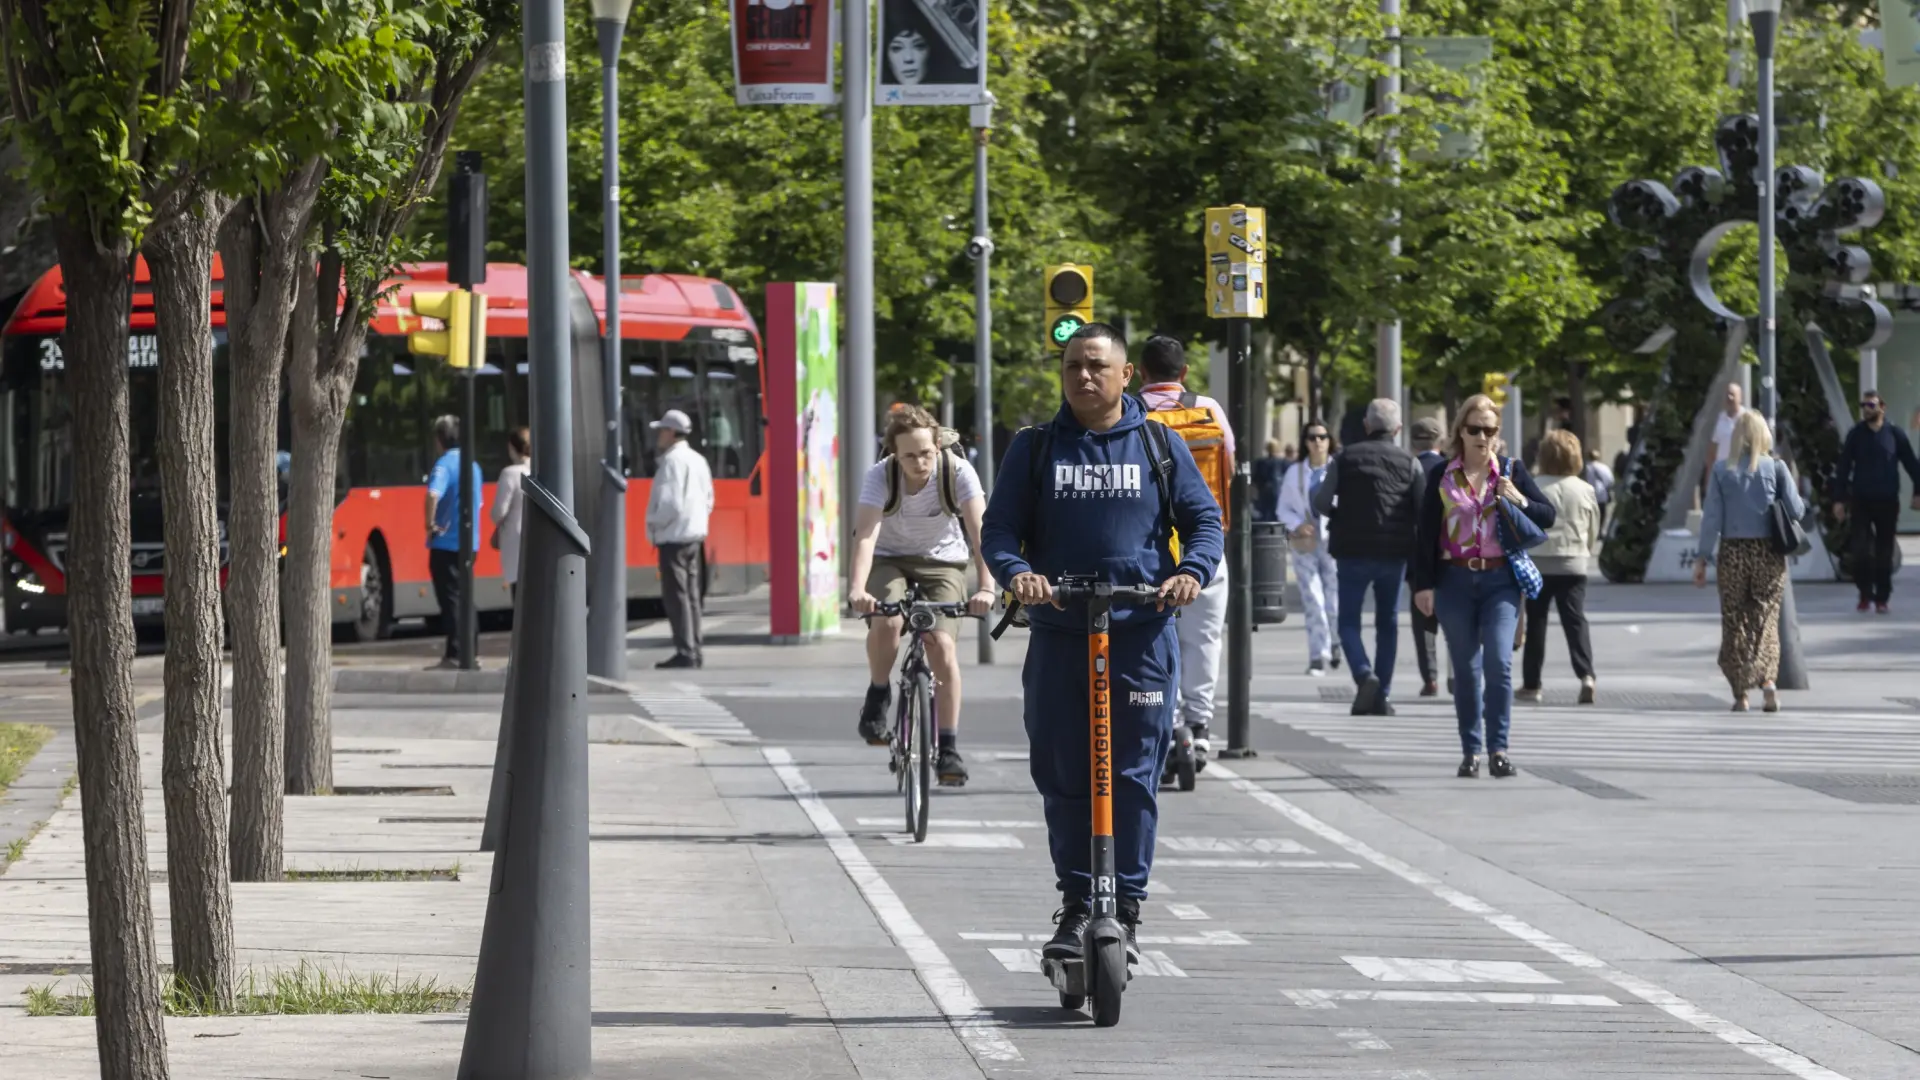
[(430, 873), (17, 849), (306, 990), (18, 744)]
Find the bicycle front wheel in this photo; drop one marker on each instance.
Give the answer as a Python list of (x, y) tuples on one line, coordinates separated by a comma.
[(909, 736), (922, 762)]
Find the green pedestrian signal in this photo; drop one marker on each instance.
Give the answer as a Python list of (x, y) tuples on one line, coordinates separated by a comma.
[(1069, 295), (1064, 328)]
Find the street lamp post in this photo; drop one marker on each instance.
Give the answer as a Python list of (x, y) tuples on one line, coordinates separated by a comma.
[(1764, 16), (607, 567)]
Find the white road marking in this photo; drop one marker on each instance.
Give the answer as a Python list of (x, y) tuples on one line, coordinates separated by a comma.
[(1155, 962), (1027, 962), (1159, 886), (1417, 969), (1362, 1039), (684, 707), (960, 823), (1207, 937), (960, 840), (1666, 1001), (1009, 755), (1232, 845), (1187, 912), (1259, 864), (971, 1021), (1330, 999)]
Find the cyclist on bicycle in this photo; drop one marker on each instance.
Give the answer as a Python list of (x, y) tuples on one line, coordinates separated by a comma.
[(1100, 490), (919, 515)]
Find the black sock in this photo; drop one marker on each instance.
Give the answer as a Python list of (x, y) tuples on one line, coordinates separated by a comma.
[(877, 692), (948, 739)]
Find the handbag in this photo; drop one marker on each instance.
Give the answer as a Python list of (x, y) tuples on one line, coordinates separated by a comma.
[(1785, 533), (1305, 545), (1518, 534)]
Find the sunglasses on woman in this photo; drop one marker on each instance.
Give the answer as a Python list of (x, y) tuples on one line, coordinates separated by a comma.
[(1317, 437), (1477, 430)]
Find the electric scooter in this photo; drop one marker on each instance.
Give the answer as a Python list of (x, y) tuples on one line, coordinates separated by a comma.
[(1101, 973)]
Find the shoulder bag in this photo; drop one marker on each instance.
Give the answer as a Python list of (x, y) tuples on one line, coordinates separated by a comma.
[(1518, 534), (1785, 533)]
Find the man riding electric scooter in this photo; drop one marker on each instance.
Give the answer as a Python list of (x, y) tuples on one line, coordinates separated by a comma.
[(1100, 490)]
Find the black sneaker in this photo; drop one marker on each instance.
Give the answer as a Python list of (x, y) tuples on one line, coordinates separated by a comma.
[(1469, 767), (678, 660), (1500, 765), (950, 767), (1383, 707), (873, 717), (1070, 924), (1202, 747), (1130, 918), (1367, 696)]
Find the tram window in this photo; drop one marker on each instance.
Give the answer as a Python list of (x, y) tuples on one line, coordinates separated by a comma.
[(728, 414)]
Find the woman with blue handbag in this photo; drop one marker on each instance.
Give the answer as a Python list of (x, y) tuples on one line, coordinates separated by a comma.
[(1470, 568)]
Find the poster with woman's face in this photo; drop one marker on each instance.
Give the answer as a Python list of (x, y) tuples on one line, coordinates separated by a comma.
[(932, 52)]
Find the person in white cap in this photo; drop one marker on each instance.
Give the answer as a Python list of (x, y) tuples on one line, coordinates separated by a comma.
[(677, 514)]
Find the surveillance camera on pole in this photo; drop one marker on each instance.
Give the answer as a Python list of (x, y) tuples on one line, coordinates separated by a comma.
[(980, 247)]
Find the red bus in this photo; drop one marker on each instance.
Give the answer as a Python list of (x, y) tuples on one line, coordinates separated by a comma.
[(687, 343)]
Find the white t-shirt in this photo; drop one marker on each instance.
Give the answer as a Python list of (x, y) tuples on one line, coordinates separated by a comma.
[(921, 527), (1723, 437)]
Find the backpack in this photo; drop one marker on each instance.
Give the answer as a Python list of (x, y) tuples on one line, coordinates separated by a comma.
[(946, 477), (1206, 439), (1040, 461)]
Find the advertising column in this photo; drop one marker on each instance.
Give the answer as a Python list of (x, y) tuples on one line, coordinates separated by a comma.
[(803, 460)]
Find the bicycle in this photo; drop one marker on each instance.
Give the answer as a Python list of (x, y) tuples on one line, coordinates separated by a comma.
[(916, 722)]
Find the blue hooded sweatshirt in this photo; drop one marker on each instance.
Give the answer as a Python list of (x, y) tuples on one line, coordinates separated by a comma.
[(1098, 512)]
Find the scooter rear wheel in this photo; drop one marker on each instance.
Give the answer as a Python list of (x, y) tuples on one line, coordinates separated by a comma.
[(1108, 981), (1184, 770)]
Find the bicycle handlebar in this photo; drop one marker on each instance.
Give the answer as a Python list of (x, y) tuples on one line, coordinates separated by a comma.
[(951, 611)]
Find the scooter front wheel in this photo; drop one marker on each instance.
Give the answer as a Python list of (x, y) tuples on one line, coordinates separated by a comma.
[(1107, 981), (1072, 1002), (1184, 770)]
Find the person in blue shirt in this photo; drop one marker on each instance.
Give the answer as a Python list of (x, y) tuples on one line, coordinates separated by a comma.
[(443, 532), (1081, 495)]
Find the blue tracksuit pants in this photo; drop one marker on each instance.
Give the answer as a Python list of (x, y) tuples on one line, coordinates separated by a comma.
[(1146, 668)]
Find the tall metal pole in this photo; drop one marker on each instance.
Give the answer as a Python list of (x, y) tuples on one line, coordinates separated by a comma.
[(1737, 15), (1387, 336), (531, 1015), (982, 116), (1764, 14), (856, 137), (607, 569), (1239, 566), (465, 630)]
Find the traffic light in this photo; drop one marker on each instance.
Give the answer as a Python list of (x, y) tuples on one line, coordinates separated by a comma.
[(1069, 302), (463, 318), (1495, 387)]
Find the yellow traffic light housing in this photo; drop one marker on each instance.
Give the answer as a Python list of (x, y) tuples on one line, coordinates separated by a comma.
[(1069, 302), (463, 318), (1494, 385)]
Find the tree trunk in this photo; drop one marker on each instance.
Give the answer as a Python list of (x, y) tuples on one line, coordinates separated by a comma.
[(1577, 394), (261, 252), (126, 975), (193, 774), (317, 420)]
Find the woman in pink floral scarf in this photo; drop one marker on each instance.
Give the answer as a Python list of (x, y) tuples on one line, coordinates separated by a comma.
[(1460, 574)]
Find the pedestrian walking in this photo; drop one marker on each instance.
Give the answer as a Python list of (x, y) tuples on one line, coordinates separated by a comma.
[(1370, 496), (1425, 435), (1200, 628), (1601, 478), (1736, 531), (1268, 474), (443, 531), (1564, 562), (677, 514), (1313, 565), (1867, 487), (1463, 573), (509, 509), (1721, 447)]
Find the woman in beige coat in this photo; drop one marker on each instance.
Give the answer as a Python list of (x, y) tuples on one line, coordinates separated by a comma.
[(1564, 561)]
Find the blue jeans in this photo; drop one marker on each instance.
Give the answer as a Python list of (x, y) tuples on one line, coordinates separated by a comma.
[(1383, 576), (1478, 611)]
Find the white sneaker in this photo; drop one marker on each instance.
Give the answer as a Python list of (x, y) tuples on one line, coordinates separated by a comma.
[(1317, 669)]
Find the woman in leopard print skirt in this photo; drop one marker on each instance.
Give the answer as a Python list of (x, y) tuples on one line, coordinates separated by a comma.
[(1752, 576)]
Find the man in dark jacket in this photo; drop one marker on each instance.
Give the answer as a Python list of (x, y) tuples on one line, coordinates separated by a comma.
[(1425, 436), (1082, 494), (1867, 483), (1371, 495)]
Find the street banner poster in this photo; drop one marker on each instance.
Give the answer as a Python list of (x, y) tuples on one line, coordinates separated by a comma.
[(1236, 262), (1900, 38), (803, 460), (932, 52), (1462, 54), (782, 52)]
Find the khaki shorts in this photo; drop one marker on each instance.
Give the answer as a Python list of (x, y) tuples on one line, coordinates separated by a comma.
[(939, 583)]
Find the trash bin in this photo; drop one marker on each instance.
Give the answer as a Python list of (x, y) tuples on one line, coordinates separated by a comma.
[(1269, 572)]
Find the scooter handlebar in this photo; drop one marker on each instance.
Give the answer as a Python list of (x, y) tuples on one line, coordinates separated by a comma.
[(1139, 594)]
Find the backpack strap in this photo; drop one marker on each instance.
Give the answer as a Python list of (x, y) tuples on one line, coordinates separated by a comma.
[(1162, 458), (949, 480), (894, 485)]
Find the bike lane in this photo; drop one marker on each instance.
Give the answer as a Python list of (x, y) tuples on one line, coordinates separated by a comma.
[(1274, 945)]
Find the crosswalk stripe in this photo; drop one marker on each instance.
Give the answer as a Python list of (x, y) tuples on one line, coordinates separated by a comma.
[(686, 708), (1027, 962)]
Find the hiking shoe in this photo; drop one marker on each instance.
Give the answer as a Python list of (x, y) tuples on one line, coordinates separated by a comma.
[(950, 767), (1070, 925), (873, 717), (1368, 696)]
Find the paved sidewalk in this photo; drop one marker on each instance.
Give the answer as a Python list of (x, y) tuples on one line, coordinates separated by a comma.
[(727, 940)]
